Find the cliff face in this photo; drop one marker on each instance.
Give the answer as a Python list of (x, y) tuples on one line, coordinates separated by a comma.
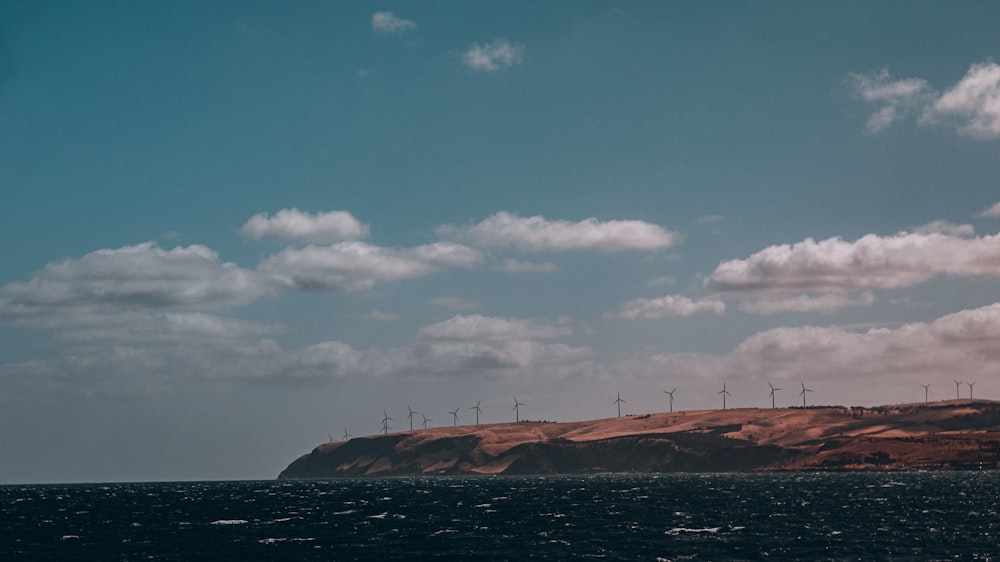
[(944, 435)]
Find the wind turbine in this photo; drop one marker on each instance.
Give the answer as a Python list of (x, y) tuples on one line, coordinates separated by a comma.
[(926, 387), (971, 384), (803, 393), (516, 408), (619, 402), (773, 388), (331, 437), (426, 419), (724, 393), (958, 384), (671, 394), (454, 416), (478, 411), (410, 416), (385, 422), (346, 435)]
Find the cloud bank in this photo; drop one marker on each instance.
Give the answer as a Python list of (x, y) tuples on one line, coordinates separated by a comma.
[(140, 276), (871, 262)]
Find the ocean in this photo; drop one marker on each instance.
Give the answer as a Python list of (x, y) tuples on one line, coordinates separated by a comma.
[(786, 516)]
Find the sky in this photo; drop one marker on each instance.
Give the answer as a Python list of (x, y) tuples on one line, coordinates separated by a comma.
[(235, 230)]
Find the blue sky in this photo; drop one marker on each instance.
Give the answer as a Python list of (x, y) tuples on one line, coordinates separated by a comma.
[(234, 228)]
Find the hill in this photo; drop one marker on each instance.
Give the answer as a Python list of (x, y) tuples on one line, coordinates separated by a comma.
[(957, 434)]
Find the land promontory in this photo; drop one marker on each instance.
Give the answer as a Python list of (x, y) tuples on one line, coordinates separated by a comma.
[(949, 435)]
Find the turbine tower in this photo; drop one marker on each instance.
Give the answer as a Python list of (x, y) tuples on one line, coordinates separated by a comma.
[(724, 393), (478, 411), (346, 435), (410, 416), (516, 408), (773, 388), (426, 419), (926, 387), (803, 393), (619, 403), (670, 393), (958, 385), (971, 384), (454, 416), (385, 423)]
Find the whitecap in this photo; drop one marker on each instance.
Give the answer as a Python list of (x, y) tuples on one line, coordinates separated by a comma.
[(379, 516), (348, 512), (230, 522), (68, 537), (679, 530)]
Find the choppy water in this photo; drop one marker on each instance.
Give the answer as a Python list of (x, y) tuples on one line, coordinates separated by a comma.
[(887, 516)]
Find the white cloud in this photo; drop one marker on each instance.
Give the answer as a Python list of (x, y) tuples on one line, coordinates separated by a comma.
[(511, 265), (954, 345), (478, 327), (972, 105), (870, 262), (356, 266), (387, 23), (828, 302), (143, 276), (898, 98), (711, 219), (539, 234), (670, 305), (993, 211), (493, 56), (295, 225)]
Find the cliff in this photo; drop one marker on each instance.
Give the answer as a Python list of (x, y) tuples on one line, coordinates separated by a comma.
[(940, 436)]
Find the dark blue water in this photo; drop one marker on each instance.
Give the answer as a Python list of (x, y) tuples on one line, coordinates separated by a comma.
[(872, 516)]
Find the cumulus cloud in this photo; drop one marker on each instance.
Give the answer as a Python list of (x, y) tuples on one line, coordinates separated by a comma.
[(511, 265), (144, 276), (493, 56), (898, 98), (357, 266), (539, 234), (387, 23), (478, 327), (670, 305), (993, 211), (295, 225), (954, 345), (871, 262), (828, 302), (972, 105)]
